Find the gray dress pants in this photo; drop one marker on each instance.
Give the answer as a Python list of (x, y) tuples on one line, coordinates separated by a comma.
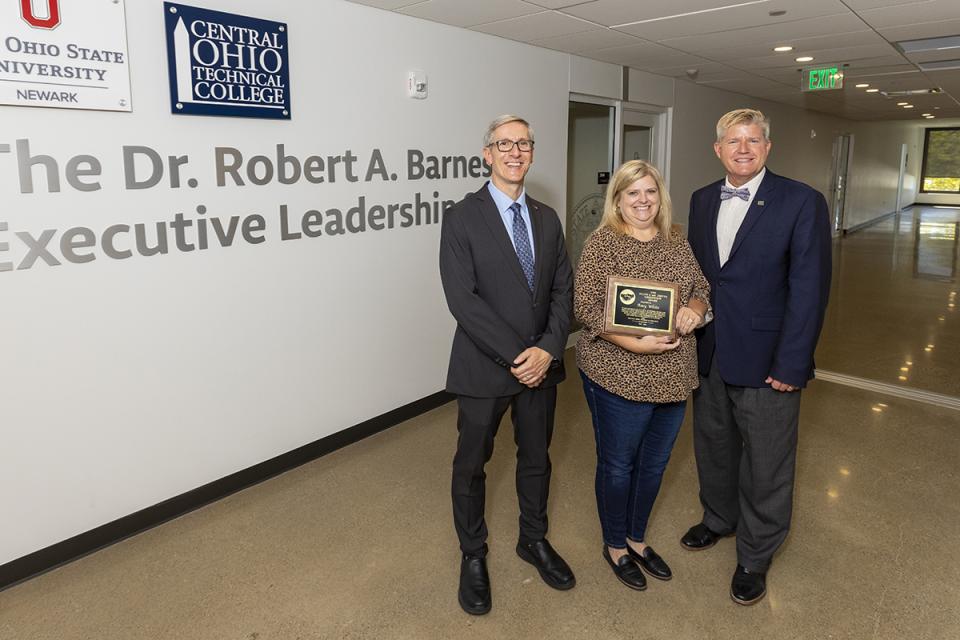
[(745, 441)]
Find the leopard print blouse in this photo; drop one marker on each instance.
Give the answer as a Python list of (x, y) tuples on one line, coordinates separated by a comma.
[(666, 377)]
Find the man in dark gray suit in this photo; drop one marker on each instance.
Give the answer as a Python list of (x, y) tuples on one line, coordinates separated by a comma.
[(508, 284)]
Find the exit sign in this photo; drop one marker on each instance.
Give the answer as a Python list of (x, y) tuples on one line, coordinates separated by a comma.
[(822, 78)]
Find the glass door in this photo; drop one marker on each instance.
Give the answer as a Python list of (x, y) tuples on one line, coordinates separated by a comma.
[(590, 160), (842, 147)]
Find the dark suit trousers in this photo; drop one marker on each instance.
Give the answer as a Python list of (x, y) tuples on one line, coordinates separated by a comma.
[(477, 422), (745, 441)]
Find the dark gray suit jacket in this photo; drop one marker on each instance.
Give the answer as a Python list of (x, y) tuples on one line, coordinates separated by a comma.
[(497, 315)]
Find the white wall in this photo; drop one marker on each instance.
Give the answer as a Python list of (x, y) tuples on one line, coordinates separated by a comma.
[(130, 381), (873, 173)]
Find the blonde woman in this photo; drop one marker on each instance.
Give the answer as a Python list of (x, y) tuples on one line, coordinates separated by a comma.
[(636, 388)]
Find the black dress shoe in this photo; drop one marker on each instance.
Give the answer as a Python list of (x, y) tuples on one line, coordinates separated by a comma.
[(701, 537), (747, 586), (474, 592), (651, 562), (552, 568), (626, 570)]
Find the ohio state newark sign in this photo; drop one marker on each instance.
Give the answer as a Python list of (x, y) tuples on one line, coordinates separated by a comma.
[(70, 54)]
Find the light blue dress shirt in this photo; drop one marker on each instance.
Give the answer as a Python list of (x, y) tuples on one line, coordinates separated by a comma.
[(503, 203)]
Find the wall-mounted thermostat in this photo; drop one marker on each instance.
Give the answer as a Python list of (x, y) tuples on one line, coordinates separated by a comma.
[(417, 84)]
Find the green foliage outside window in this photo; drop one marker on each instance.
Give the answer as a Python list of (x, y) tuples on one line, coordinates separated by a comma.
[(941, 161)]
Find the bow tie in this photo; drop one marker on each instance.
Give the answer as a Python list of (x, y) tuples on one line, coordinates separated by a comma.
[(726, 193)]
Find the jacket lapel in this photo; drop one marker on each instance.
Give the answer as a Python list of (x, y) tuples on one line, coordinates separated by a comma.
[(761, 202), (713, 206), (491, 216)]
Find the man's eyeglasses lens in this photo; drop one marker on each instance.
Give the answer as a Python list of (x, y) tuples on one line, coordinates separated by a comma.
[(507, 145)]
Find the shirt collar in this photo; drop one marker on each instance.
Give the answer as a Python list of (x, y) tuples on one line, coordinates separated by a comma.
[(753, 184), (503, 201)]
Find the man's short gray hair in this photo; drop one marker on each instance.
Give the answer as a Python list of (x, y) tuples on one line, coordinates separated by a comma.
[(499, 122)]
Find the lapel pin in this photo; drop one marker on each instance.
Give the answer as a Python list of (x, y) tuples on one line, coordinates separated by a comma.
[(759, 203)]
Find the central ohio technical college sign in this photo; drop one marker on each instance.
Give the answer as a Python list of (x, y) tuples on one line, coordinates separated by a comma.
[(226, 65)]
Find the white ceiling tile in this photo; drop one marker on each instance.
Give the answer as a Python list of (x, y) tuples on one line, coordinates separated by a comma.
[(801, 46), (557, 4), (386, 4), (854, 72), (737, 18), (587, 41), (910, 13), (935, 29), (467, 13), (535, 26), (611, 12), (644, 56), (769, 34), (933, 56), (860, 5)]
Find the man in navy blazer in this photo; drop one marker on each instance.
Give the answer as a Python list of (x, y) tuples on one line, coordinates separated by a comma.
[(508, 284), (763, 241)]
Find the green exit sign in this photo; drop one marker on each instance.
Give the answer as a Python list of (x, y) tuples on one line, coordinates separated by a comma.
[(822, 78)]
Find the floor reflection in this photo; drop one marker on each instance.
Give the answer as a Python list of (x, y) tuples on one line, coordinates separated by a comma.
[(892, 314)]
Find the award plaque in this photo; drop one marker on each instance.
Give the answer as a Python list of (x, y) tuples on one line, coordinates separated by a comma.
[(640, 307)]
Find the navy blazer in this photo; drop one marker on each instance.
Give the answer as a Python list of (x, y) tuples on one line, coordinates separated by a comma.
[(770, 297), (497, 315)]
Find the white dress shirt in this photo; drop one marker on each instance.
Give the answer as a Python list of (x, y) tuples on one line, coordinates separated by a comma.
[(732, 213)]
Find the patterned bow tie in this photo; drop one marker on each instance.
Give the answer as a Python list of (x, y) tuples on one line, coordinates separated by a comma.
[(726, 193)]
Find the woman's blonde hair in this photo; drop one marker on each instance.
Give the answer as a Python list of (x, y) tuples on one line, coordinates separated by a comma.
[(626, 175)]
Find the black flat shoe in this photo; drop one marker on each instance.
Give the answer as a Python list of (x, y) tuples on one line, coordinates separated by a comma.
[(748, 587), (626, 570), (700, 537), (651, 562), (551, 567), (474, 591)]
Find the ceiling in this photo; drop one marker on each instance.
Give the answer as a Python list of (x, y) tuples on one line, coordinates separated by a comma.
[(728, 44)]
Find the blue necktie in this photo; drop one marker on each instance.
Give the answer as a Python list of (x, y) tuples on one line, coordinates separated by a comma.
[(726, 193), (521, 242)]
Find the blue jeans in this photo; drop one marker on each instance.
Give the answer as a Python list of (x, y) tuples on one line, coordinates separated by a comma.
[(634, 441)]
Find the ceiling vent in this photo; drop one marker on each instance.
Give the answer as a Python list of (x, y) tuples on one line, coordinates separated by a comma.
[(930, 44), (911, 92), (939, 65)]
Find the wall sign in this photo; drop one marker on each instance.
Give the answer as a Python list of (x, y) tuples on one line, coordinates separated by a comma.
[(70, 54), (223, 64)]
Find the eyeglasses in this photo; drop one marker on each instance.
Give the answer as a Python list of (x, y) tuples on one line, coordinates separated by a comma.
[(507, 145)]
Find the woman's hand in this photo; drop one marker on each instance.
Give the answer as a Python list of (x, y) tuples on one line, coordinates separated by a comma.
[(687, 320), (645, 345)]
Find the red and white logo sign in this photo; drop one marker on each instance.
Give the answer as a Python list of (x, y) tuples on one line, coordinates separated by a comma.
[(49, 20)]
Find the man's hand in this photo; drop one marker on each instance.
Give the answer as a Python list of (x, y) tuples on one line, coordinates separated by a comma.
[(780, 386), (530, 367)]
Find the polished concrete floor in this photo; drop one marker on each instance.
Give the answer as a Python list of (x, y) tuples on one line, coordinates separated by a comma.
[(359, 544)]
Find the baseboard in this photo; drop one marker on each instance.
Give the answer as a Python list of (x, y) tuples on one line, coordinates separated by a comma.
[(83, 544)]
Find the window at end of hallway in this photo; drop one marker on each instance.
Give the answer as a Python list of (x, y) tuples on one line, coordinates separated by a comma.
[(941, 161)]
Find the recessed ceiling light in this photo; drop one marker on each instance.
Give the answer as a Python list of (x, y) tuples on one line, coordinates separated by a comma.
[(908, 106), (925, 115), (900, 104), (872, 90), (785, 47), (862, 85), (804, 59)]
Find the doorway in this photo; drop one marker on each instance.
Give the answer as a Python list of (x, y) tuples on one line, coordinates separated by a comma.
[(842, 150)]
